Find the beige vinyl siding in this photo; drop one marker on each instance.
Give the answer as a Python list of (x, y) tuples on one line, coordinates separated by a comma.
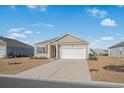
[(70, 39), (117, 52)]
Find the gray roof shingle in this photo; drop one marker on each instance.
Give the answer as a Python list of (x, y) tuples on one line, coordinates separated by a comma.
[(56, 38), (15, 43), (118, 45), (46, 41)]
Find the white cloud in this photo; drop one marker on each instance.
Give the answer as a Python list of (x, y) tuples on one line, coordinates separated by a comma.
[(117, 34), (28, 32), (38, 24), (13, 7), (20, 30), (108, 22), (17, 33), (15, 30), (102, 14), (97, 12), (38, 32), (44, 24), (95, 42), (107, 38), (38, 7), (120, 5), (31, 6), (50, 25)]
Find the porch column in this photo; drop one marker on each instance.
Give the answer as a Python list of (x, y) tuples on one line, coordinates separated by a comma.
[(57, 51), (49, 51)]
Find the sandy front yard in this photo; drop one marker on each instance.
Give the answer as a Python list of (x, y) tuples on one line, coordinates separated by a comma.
[(24, 64), (104, 75)]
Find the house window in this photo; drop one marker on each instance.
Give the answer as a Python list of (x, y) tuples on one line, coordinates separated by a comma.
[(44, 49), (41, 49)]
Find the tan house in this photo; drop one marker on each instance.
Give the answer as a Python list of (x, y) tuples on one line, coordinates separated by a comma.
[(63, 47)]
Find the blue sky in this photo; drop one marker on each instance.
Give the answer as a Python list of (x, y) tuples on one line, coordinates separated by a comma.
[(102, 26)]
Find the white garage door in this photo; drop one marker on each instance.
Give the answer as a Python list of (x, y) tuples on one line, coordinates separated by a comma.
[(72, 53)]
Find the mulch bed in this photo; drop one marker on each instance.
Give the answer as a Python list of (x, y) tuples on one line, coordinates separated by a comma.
[(114, 68)]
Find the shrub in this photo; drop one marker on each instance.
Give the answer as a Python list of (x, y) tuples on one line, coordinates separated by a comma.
[(11, 55), (38, 57), (92, 57), (92, 70), (43, 57), (31, 57)]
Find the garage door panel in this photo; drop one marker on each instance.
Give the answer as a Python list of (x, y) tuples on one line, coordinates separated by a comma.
[(72, 53)]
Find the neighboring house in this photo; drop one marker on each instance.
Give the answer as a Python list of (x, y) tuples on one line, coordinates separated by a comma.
[(101, 52), (91, 51), (117, 50), (11, 47), (63, 47)]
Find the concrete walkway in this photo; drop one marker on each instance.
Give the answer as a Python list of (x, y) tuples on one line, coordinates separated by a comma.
[(60, 70)]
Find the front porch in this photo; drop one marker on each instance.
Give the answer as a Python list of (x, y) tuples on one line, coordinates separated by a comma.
[(53, 51)]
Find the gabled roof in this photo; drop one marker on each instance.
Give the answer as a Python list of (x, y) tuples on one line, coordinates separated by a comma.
[(118, 45), (46, 41), (58, 38), (14, 43)]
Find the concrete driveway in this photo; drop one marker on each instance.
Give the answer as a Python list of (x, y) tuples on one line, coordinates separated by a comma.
[(60, 70)]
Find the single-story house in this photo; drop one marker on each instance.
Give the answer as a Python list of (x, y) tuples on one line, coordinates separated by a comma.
[(117, 50), (63, 47), (101, 52), (91, 51), (11, 48)]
